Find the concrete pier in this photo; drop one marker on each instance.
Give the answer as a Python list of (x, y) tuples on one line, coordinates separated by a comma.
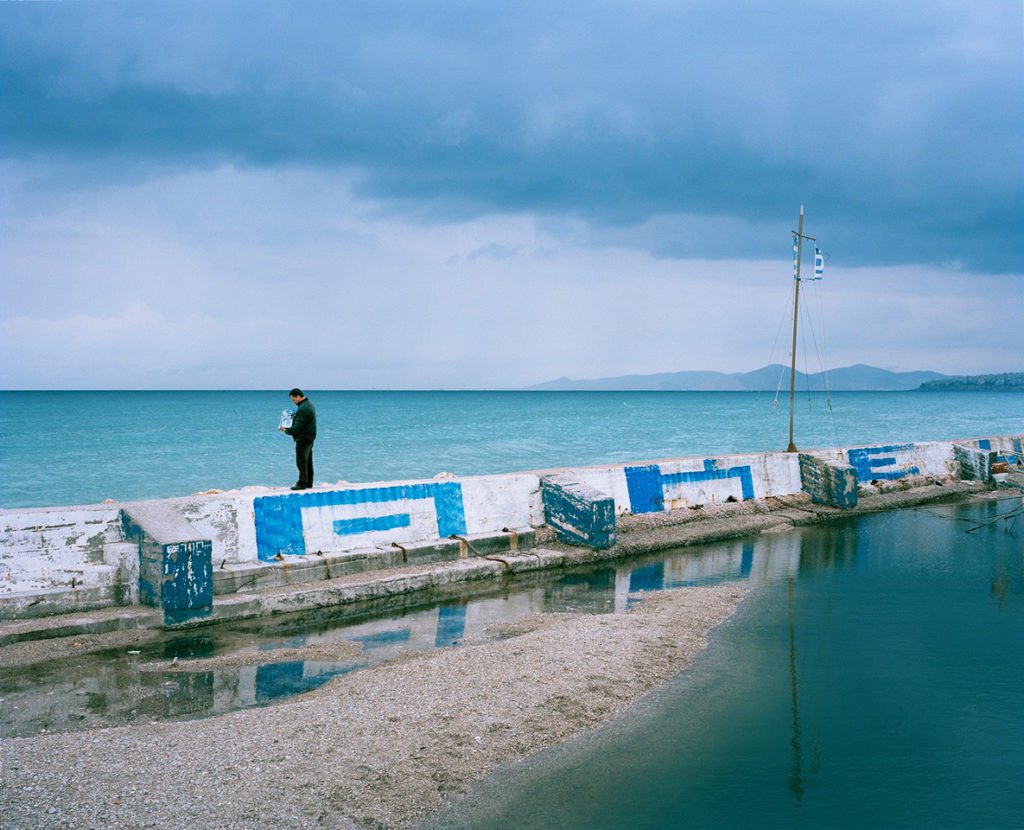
[(189, 556)]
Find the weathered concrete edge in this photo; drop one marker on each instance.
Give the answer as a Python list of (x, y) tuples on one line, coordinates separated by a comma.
[(773, 516), (245, 577), (248, 576), (104, 621)]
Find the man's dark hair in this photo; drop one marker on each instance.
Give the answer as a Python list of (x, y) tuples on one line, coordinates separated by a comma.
[(296, 393)]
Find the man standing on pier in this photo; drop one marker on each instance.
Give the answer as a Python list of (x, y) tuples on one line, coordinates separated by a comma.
[(303, 430)]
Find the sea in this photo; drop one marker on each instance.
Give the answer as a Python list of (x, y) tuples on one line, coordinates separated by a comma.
[(77, 447)]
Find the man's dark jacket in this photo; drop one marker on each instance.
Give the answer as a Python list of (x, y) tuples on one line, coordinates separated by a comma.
[(304, 422)]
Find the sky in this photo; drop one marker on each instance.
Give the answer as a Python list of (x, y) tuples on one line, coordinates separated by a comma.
[(459, 195)]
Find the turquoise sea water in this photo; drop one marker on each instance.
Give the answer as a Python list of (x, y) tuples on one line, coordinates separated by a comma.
[(83, 447)]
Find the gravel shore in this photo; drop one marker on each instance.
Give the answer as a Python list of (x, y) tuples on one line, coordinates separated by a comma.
[(379, 748)]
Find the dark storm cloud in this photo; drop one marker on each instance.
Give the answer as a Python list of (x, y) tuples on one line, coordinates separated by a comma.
[(901, 125)]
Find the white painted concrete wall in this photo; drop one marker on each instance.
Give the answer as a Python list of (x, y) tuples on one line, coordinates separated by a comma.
[(53, 547), (49, 548)]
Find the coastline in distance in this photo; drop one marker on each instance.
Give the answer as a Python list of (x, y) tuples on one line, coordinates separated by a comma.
[(857, 378)]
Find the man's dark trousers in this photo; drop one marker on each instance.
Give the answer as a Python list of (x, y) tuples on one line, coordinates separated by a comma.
[(304, 461)]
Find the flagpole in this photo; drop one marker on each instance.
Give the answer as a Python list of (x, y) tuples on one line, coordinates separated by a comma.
[(796, 306)]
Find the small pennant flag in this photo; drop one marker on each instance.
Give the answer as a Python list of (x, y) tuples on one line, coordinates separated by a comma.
[(819, 263)]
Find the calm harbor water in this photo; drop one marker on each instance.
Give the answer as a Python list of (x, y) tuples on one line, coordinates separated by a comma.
[(874, 680), (84, 447)]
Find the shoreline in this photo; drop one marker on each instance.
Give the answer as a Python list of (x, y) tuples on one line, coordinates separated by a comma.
[(381, 748)]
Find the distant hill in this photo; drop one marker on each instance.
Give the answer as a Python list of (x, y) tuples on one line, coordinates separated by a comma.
[(857, 378), (1006, 382)]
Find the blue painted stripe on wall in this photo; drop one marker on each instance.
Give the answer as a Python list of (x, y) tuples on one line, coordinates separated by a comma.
[(711, 473), (646, 485), (279, 518), (1015, 443), (867, 467), (350, 527), (188, 576)]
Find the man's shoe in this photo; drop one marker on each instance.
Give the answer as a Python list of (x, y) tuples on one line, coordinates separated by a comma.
[(298, 487)]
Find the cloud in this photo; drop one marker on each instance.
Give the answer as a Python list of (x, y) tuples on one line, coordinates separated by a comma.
[(241, 278), (492, 251), (134, 347), (899, 126), (358, 195)]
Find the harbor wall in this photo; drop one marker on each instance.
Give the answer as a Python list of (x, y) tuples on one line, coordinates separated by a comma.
[(750, 561), (75, 558)]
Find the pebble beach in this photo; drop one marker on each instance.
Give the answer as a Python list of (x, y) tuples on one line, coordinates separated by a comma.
[(381, 748)]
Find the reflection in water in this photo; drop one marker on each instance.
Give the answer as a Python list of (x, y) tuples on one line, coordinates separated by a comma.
[(587, 592), (278, 680), (189, 646), (796, 781), (1008, 568), (1008, 579), (187, 693), (451, 624), (112, 687), (835, 549)]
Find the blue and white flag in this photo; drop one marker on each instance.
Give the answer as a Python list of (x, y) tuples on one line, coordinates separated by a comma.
[(819, 263), (796, 258)]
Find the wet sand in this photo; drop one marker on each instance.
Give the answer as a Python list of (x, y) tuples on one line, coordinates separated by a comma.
[(380, 748)]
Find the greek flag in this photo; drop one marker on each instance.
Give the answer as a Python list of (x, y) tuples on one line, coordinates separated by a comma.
[(819, 263), (796, 261)]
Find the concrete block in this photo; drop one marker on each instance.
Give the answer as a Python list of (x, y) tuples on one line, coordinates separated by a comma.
[(61, 557), (579, 514), (1009, 448), (175, 568), (221, 520), (828, 482), (974, 464)]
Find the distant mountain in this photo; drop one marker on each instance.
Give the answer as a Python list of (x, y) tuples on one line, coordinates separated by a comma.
[(663, 382), (858, 378), (867, 378), (1006, 382)]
